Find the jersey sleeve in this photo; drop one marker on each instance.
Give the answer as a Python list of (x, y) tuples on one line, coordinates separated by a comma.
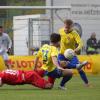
[(54, 52), (39, 54), (78, 40)]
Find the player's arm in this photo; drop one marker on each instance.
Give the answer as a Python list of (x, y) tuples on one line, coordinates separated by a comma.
[(37, 59), (54, 55), (64, 71), (55, 62), (36, 62), (78, 41)]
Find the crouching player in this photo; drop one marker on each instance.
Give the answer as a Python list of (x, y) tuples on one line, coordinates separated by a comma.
[(18, 77), (50, 66)]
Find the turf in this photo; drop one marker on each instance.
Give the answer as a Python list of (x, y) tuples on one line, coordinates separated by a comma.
[(75, 91)]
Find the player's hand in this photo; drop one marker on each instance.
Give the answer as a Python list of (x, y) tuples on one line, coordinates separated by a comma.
[(60, 68), (31, 49), (35, 69), (9, 50), (64, 63), (76, 51)]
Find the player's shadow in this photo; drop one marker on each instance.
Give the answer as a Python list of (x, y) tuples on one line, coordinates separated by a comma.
[(21, 89), (18, 87)]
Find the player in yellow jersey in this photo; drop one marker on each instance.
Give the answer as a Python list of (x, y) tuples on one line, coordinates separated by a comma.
[(69, 39), (50, 66)]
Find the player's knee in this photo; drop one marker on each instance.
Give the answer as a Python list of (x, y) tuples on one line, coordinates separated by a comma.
[(67, 72), (70, 72)]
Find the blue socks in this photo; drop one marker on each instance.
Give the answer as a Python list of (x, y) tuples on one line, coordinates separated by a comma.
[(83, 76), (65, 79)]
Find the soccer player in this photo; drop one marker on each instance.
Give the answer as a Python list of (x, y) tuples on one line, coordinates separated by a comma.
[(5, 45), (50, 66), (69, 39), (18, 77)]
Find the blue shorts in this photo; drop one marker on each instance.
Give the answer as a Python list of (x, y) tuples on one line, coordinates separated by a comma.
[(72, 63), (61, 57), (55, 73)]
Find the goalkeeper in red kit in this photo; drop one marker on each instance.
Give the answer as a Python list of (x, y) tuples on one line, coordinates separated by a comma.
[(18, 77)]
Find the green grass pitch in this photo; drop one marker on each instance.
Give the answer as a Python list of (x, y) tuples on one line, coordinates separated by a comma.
[(75, 91)]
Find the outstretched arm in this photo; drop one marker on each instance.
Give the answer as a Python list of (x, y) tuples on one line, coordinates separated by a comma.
[(36, 62), (55, 62), (64, 71), (79, 42)]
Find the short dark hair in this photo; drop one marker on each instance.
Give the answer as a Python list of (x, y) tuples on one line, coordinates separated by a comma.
[(1, 26), (54, 38), (68, 22)]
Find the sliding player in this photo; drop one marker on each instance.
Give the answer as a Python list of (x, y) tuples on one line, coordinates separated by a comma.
[(18, 77)]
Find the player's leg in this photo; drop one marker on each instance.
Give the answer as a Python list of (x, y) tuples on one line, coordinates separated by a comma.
[(83, 77), (64, 81), (66, 78), (51, 80), (73, 63), (70, 65), (81, 72), (31, 77), (40, 72), (6, 58), (66, 74), (53, 75)]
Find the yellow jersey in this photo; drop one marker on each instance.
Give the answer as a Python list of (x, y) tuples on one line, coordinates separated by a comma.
[(69, 40), (46, 52)]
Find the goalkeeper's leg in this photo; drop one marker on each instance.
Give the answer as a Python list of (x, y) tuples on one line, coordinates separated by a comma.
[(40, 82)]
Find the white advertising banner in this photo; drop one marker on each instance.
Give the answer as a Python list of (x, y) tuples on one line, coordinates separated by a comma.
[(85, 9)]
